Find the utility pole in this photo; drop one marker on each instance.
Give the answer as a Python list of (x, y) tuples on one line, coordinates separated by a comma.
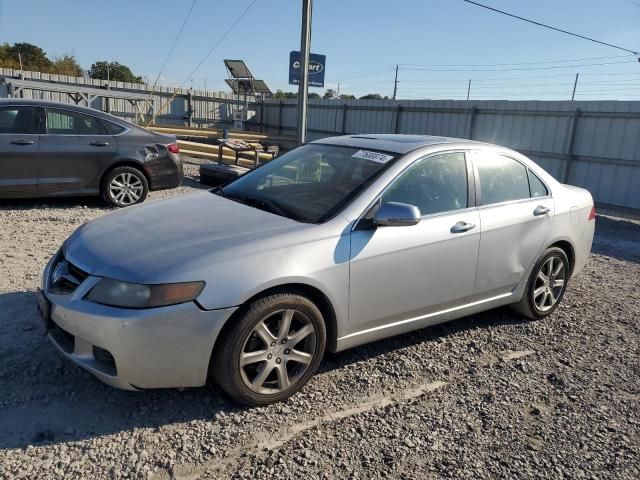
[(468, 93), (20, 60), (303, 83), (395, 84), (205, 84), (575, 85), (338, 91)]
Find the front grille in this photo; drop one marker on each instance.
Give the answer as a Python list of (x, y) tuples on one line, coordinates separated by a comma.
[(65, 277), (105, 360)]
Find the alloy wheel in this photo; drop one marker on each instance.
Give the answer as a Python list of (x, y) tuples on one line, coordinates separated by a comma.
[(278, 352), (126, 189), (549, 284)]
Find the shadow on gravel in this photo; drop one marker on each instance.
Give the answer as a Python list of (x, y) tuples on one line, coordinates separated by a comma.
[(45, 399), (54, 202), (495, 317), (617, 238)]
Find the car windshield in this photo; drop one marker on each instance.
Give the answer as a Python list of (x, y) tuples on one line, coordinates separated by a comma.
[(311, 183)]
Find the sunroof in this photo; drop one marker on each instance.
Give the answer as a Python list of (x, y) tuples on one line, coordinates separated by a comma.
[(399, 138)]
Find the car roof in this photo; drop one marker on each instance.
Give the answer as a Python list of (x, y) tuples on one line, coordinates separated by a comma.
[(67, 106), (395, 143)]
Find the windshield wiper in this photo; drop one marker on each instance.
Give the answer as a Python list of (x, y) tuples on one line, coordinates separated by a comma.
[(264, 204)]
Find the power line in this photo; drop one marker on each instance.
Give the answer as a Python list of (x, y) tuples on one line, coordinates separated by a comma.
[(204, 59), (173, 46), (633, 2), (553, 67), (551, 28), (515, 64)]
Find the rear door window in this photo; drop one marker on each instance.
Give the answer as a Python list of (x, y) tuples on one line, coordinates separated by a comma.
[(18, 120), (502, 179), (66, 122), (114, 128), (537, 188)]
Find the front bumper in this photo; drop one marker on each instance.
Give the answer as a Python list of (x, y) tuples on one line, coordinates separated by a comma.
[(134, 349)]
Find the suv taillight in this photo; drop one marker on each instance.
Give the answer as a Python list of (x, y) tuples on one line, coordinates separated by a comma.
[(592, 213), (173, 148)]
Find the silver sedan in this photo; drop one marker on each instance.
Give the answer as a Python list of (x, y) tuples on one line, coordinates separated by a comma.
[(337, 243)]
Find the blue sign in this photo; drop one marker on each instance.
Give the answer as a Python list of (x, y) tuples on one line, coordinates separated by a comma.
[(316, 69)]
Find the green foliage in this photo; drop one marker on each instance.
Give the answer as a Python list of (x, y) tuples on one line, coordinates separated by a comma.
[(347, 97), (371, 96), (35, 59), (67, 65), (104, 70), (280, 94)]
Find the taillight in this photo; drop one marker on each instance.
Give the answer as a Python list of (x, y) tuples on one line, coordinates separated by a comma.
[(592, 213), (173, 148)]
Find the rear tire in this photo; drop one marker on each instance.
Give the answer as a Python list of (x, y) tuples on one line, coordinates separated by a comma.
[(271, 350), (546, 285), (124, 186)]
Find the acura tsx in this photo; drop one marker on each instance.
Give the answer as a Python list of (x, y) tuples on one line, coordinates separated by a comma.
[(337, 243)]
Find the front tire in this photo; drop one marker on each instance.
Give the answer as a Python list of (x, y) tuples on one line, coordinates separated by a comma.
[(124, 186), (546, 285), (270, 351)]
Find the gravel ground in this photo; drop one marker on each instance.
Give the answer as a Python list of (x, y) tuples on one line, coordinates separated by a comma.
[(487, 396)]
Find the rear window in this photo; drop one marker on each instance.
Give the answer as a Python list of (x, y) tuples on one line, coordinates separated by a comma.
[(114, 128)]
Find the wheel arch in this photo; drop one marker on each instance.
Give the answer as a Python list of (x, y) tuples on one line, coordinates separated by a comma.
[(569, 249), (125, 163), (314, 294)]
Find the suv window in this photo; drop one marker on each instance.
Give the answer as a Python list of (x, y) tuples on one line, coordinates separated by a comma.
[(65, 122), (18, 120), (502, 179), (537, 188), (435, 184)]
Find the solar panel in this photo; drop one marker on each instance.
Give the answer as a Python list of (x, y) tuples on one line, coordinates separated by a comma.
[(238, 69), (240, 86), (259, 86)]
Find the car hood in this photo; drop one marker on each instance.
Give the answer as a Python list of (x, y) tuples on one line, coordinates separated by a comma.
[(162, 240)]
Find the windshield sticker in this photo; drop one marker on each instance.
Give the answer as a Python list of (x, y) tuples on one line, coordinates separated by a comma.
[(373, 156)]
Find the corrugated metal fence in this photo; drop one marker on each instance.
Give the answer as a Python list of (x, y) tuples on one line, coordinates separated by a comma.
[(592, 144), (207, 108)]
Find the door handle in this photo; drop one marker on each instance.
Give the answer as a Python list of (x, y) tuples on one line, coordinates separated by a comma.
[(23, 142), (541, 210), (460, 227), (99, 144)]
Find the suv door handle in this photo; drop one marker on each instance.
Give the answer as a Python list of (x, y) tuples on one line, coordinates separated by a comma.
[(541, 210), (460, 227), (23, 142), (99, 144)]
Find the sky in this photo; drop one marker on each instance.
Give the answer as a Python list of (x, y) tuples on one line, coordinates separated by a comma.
[(438, 44)]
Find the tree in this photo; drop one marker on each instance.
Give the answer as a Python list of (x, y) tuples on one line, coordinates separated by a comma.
[(330, 93), (33, 57), (347, 97), (104, 70), (280, 94), (67, 65), (371, 96), (313, 95)]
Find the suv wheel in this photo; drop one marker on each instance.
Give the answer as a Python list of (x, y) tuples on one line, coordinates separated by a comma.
[(124, 186), (271, 351), (546, 286)]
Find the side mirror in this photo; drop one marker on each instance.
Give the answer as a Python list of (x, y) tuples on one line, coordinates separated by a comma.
[(394, 214)]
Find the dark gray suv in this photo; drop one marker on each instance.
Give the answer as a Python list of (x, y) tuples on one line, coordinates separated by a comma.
[(52, 149)]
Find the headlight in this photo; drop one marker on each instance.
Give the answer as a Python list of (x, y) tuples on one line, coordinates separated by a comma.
[(133, 295)]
